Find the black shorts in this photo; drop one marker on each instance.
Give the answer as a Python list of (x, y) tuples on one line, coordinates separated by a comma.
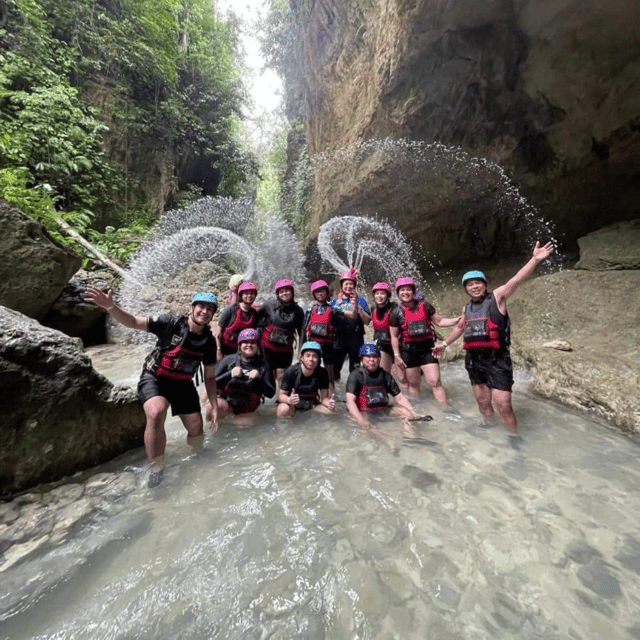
[(328, 354), (386, 348), (278, 359), (181, 394), (417, 354), (491, 367)]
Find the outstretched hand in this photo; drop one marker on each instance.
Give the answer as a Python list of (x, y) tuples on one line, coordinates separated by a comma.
[(541, 253), (98, 297)]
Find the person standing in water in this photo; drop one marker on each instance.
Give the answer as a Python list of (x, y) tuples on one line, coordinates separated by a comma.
[(352, 314), (280, 322), (305, 385), (319, 325), (235, 318), (413, 338), (184, 342), (485, 326)]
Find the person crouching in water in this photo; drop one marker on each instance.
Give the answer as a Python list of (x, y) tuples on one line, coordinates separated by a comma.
[(235, 318), (486, 328), (368, 389), (413, 338), (279, 321), (305, 385), (319, 325), (184, 343), (243, 379)]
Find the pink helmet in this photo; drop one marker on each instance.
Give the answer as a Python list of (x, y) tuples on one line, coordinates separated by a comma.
[(381, 286), (352, 274), (247, 334), (318, 284), (281, 284), (247, 286), (406, 281)]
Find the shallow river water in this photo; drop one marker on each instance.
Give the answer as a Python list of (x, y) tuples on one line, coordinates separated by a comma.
[(312, 529)]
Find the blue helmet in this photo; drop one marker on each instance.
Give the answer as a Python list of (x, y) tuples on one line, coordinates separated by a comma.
[(473, 274), (311, 346), (369, 350), (206, 298)]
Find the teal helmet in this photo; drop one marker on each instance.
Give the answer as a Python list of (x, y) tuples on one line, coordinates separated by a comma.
[(470, 275), (369, 350), (206, 298), (311, 346)]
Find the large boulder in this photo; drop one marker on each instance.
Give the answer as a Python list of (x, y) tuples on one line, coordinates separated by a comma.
[(34, 267), (57, 414), (616, 246), (549, 90)]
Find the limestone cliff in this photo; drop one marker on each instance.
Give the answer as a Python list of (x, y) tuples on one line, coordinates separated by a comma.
[(547, 89)]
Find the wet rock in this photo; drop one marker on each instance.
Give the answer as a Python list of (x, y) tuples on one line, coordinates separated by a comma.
[(34, 267), (629, 555), (634, 631), (595, 603), (560, 345), (597, 577), (57, 414), (506, 613), (579, 551), (19, 551), (614, 247), (365, 584), (419, 478)]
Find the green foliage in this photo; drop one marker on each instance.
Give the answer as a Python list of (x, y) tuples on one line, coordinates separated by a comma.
[(296, 197), (119, 245), (272, 171)]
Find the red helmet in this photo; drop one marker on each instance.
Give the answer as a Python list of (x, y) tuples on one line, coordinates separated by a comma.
[(352, 274), (381, 286), (247, 286), (406, 281), (281, 284), (318, 284)]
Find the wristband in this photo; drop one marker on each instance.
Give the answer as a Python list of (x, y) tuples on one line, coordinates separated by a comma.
[(398, 355), (445, 343), (109, 308)]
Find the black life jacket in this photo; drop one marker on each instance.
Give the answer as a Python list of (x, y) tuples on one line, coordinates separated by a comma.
[(373, 394), (240, 400), (307, 400), (484, 326)]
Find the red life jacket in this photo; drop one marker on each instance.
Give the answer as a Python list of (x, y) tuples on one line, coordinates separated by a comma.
[(239, 401), (229, 337), (417, 326), (277, 339), (381, 325), (373, 396), (481, 331), (319, 327), (174, 360)]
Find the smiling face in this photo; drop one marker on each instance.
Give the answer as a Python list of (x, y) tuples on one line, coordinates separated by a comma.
[(348, 287), (248, 297), (310, 359), (321, 294), (406, 293), (201, 313), (371, 363), (381, 297), (285, 294), (476, 288), (248, 349)]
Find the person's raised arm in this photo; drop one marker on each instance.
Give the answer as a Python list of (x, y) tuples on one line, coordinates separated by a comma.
[(509, 288), (105, 301)]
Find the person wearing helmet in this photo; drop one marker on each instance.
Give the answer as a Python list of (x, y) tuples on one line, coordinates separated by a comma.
[(184, 343), (352, 314), (235, 318), (319, 325), (234, 282), (368, 389), (381, 310), (305, 385), (486, 329), (243, 379), (280, 322), (413, 338)]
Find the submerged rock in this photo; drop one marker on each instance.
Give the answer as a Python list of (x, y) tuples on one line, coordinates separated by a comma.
[(614, 247), (57, 414)]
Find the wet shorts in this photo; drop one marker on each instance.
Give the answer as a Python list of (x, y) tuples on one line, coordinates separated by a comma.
[(416, 355), (386, 348), (181, 394), (279, 360), (491, 367), (328, 355)]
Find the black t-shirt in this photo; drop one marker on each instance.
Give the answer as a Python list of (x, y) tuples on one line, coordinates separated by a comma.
[(289, 317), (360, 377), (229, 315), (263, 383), (304, 385), (165, 326)]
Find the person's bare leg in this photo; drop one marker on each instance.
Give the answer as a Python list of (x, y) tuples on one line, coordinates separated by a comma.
[(483, 398), (155, 438), (386, 361), (502, 401), (195, 433), (432, 376), (285, 410), (413, 381)]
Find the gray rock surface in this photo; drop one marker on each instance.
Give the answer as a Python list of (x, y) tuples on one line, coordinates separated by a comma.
[(34, 267), (57, 414), (614, 247)]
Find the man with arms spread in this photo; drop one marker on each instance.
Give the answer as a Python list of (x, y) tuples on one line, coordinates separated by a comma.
[(305, 385), (486, 328), (167, 377)]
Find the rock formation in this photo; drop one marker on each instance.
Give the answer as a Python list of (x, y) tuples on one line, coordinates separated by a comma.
[(57, 414), (550, 91), (34, 267)]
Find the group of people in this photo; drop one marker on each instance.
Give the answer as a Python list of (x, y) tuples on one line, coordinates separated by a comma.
[(249, 355)]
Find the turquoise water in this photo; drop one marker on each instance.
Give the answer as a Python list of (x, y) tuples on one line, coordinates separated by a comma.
[(309, 528)]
